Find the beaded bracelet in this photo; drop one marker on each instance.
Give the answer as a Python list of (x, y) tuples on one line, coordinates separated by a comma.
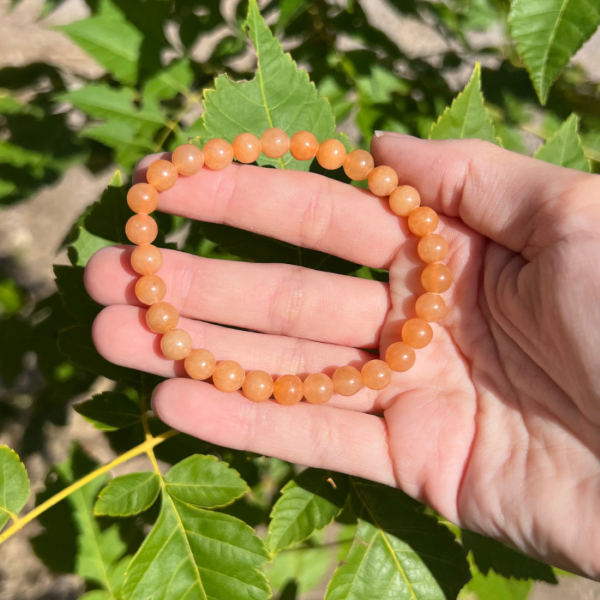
[(228, 375)]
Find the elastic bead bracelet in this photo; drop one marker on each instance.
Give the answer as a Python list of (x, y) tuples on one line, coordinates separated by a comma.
[(229, 376)]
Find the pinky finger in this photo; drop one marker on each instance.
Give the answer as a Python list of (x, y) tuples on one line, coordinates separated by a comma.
[(314, 436)]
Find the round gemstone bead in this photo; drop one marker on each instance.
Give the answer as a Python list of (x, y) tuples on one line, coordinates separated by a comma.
[(318, 388), (176, 344), (430, 307), (376, 374), (303, 145), (200, 364), (400, 357), (288, 389), (162, 175), (358, 164), (188, 159), (422, 220), (417, 333), (436, 278), (146, 259), (382, 180), (404, 199), (218, 154), (347, 381), (142, 198), (275, 142), (331, 154), (150, 289), (432, 248), (162, 317), (258, 386), (246, 148), (228, 376), (141, 229)]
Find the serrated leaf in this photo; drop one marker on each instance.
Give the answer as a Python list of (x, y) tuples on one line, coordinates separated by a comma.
[(496, 587), (205, 481), (490, 554), (14, 485), (281, 95), (548, 33), (309, 502), (564, 148), (77, 301), (128, 495), (398, 551), (109, 411), (466, 118), (196, 553), (174, 79)]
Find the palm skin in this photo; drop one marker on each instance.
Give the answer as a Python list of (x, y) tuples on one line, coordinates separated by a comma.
[(496, 426)]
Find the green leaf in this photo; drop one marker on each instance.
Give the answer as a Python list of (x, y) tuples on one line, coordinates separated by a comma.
[(398, 551), (548, 33), (492, 555), (128, 495), (14, 485), (109, 411), (467, 117), (496, 587), (309, 502), (564, 148), (281, 95), (205, 481), (77, 301)]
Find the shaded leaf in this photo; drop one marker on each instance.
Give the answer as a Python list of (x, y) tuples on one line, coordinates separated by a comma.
[(109, 411), (73, 294), (14, 485), (128, 494), (496, 587), (309, 502), (564, 148)]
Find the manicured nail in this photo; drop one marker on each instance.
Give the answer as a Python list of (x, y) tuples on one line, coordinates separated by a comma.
[(391, 134)]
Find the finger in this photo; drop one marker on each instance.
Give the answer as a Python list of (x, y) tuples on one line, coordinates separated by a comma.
[(519, 202), (304, 209), (277, 299), (315, 436), (121, 336)]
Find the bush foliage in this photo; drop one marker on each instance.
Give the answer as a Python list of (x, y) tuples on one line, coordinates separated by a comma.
[(220, 523)]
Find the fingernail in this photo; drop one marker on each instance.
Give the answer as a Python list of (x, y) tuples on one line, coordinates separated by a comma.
[(152, 400), (391, 134)]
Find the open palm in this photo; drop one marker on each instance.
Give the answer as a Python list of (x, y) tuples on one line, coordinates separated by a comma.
[(497, 426)]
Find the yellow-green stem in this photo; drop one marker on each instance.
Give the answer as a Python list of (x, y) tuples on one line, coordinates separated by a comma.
[(38, 510)]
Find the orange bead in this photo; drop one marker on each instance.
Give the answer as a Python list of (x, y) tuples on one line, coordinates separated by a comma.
[(150, 289), (430, 307), (141, 229), (142, 198), (275, 142), (228, 376), (288, 389), (258, 386), (422, 220), (417, 333), (218, 154), (246, 148), (382, 181), (176, 344), (432, 248), (162, 317), (358, 164), (331, 154), (200, 364), (376, 374), (347, 381), (436, 278), (146, 259), (318, 388), (162, 175), (188, 159), (404, 199), (400, 357), (303, 145)]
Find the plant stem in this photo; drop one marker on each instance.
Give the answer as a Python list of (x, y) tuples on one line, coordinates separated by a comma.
[(38, 510), (147, 432)]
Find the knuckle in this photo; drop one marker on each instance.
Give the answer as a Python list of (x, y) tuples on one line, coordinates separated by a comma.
[(286, 301), (293, 357), (316, 217), (321, 438)]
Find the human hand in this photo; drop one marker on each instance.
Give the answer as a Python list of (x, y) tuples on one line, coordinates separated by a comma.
[(497, 426)]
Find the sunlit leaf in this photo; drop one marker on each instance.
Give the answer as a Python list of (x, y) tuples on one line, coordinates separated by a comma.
[(495, 587), (128, 494), (564, 148), (14, 485), (109, 411)]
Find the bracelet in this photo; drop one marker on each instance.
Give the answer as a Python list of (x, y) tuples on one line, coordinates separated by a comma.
[(228, 376)]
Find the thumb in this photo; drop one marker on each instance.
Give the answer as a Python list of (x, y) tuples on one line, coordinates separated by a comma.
[(520, 202)]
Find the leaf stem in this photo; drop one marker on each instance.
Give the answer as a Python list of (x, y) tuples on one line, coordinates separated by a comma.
[(147, 432), (38, 510)]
